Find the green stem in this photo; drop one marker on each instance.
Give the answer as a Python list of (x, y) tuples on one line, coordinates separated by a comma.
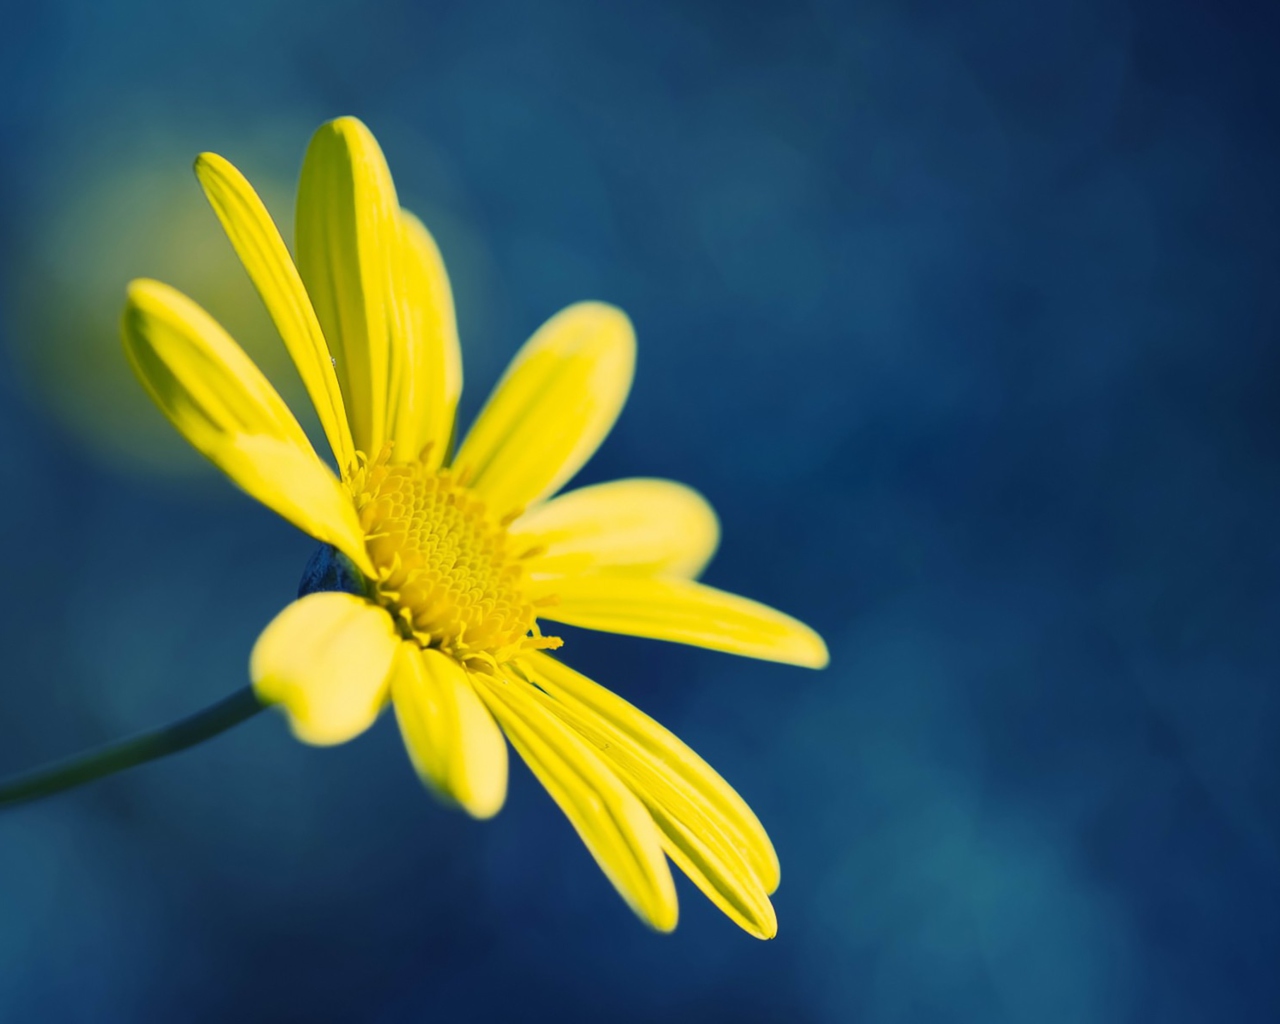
[(147, 746)]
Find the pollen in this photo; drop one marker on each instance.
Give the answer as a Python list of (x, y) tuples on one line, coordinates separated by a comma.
[(447, 569)]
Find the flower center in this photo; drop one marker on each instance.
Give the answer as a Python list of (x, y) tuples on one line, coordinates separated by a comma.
[(447, 569)]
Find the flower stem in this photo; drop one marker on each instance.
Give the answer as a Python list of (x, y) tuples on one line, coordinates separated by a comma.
[(147, 746)]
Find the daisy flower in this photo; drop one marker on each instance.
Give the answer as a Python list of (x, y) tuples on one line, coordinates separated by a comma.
[(440, 572)]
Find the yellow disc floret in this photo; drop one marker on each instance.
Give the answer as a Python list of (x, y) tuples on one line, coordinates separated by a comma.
[(447, 569)]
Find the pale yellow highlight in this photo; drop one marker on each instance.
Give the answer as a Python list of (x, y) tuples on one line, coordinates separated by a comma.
[(688, 613), (558, 399), (430, 379), (706, 827), (699, 780), (265, 258), (636, 527), (608, 817), (350, 257), (223, 405), (453, 741), (325, 660)]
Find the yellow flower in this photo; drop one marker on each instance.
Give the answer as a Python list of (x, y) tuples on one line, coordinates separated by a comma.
[(438, 570)]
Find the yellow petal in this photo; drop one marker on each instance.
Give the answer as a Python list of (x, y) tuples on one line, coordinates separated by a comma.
[(697, 779), (258, 243), (640, 527), (708, 830), (325, 659), (701, 856), (688, 613), (430, 372), (220, 402), (555, 404), (452, 739), (350, 256), (607, 816)]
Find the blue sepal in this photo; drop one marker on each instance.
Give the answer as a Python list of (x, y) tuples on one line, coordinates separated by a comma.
[(330, 569)]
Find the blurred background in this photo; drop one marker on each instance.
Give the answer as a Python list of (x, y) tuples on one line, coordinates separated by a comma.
[(963, 315)]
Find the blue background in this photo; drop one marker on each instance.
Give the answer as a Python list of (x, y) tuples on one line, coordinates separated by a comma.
[(963, 315)]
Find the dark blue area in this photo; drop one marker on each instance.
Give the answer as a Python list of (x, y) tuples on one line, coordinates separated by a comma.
[(328, 569), (965, 318)]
